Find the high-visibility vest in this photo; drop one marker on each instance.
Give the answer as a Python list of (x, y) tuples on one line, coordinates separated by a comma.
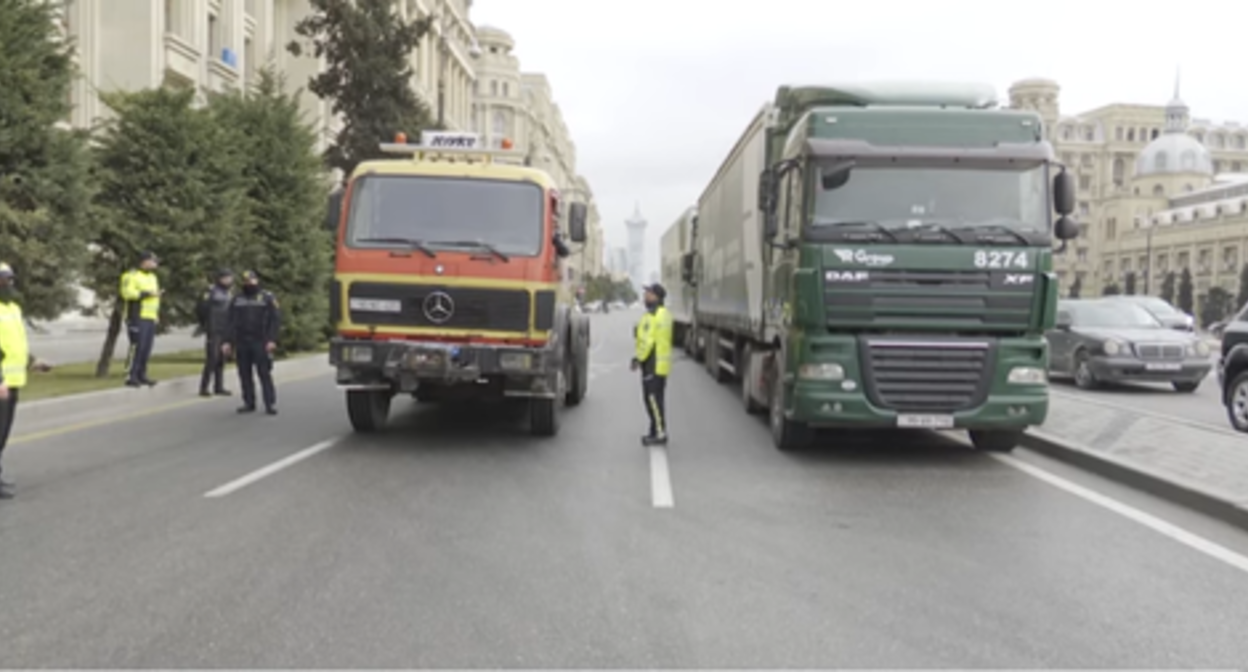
[(13, 342), (133, 284), (654, 336)]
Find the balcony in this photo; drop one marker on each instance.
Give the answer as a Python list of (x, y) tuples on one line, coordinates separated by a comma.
[(223, 73), (181, 59)]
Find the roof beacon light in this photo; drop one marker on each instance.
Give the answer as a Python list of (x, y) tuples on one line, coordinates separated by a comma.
[(452, 146)]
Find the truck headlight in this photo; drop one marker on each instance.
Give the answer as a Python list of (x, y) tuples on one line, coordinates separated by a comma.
[(1112, 347), (1027, 375), (356, 354), (823, 371), (1200, 349), (515, 360)]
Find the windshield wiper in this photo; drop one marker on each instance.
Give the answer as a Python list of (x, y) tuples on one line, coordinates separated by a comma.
[(1000, 228), (477, 244), (409, 242), (938, 228), (875, 227)]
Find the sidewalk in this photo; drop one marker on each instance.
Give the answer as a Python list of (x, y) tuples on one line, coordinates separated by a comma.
[(66, 344), (1194, 464)]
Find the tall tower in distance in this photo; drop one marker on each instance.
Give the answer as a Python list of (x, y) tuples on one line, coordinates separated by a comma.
[(636, 247)]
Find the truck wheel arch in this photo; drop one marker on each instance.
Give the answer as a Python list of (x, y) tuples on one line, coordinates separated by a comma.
[(1236, 363)]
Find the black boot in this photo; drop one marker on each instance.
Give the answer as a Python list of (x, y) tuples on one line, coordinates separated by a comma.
[(246, 408)]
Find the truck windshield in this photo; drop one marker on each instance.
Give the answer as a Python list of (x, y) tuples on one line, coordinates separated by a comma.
[(951, 198), (437, 212)]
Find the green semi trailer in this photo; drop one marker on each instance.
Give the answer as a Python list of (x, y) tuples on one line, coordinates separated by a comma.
[(875, 256)]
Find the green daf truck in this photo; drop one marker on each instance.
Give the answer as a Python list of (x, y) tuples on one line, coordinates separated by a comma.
[(874, 256)]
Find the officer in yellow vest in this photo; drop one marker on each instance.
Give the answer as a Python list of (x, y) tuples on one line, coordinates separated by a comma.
[(140, 290), (653, 355), (15, 360)]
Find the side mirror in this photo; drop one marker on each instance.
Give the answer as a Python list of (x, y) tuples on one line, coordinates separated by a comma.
[(1064, 193), (1064, 323), (578, 213), (835, 177), (333, 210), (686, 268), (1066, 228), (767, 191)]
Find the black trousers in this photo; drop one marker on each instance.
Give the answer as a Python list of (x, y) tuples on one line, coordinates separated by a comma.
[(8, 411), (654, 395), (253, 361), (144, 336), (214, 365)]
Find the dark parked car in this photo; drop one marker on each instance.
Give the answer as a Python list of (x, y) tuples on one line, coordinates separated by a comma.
[(1107, 341), (1161, 309), (1233, 370)]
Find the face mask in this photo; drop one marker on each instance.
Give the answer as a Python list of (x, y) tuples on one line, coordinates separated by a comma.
[(7, 293), (650, 305), (251, 290)]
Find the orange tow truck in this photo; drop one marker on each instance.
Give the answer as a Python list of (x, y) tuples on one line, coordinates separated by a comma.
[(448, 282)]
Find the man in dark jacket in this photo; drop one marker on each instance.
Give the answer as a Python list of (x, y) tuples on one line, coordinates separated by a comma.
[(254, 324), (214, 314)]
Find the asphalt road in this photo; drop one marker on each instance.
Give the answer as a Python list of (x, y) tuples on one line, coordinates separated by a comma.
[(67, 348), (1204, 405), (457, 540)]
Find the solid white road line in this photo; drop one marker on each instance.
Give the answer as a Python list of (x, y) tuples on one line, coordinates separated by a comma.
[(660, 479), (265, 472), (1154, 523)]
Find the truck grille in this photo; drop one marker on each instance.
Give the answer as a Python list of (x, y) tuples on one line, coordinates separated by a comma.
[(929, 299), (925, 376), (471, 308), (1155, 351)]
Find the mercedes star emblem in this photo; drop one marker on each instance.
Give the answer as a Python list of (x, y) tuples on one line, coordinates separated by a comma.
[(439, 269), (439, 307)]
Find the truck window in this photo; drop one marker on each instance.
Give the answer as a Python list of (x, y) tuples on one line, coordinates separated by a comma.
[(507, 215), (948, 196)]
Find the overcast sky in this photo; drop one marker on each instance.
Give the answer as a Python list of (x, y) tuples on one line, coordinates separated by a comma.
[(655, 92)]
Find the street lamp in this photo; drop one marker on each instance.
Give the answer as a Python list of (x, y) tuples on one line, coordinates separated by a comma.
[(443, 24), (1148, 260)]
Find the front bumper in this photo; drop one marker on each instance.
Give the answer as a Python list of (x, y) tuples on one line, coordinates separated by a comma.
[(1119, 369), (403, 366), (824, 405)]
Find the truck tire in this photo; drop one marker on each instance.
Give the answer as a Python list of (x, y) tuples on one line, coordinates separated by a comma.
[(747, 374), (786, 434), (578, 376), (369, 410), (996, 440), (544, 417)]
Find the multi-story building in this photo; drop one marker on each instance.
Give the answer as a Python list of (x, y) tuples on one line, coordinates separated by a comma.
[(636, 226), (513, 105), (1157, 192), (212, 45)]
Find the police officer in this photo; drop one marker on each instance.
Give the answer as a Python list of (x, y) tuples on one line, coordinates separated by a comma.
[(254, 323), (653, 356), (15, 360), (140, 289), (213, 312)]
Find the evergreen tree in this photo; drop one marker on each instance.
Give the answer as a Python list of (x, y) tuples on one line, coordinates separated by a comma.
[(1076, 288), (1112, 289), (1242, 297), (1168, 287), (171, 181), (290, 247), (45, 180), (1128, 284), (367, 78), (1214, 306), (1186, 300)]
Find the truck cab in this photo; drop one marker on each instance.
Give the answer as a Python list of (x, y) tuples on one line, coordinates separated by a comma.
[(448, 282)]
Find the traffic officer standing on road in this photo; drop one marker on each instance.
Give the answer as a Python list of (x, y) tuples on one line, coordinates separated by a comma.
[(214, 313), (140, 289), (15, 361), (653, 356), (254, 324)]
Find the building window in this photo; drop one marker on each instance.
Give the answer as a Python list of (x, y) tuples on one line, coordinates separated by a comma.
[(214, 36), (1081, 255), (1153, 135), (171, 17), (1118, 133), (506, 89), (500, 123), (1236, 166), (1085, 182), (1158, 190), (249, 58), (1120, 168), (1130, 135), (494, 87), (1084, 208)]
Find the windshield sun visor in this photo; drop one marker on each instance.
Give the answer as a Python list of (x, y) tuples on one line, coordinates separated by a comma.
[(835, 153)]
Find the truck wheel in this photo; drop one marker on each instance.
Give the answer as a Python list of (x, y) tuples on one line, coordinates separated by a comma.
[(578, 378), (747, 374), (543, 417), (996, 440), (369, 410), (786, 434), (1235, 396)]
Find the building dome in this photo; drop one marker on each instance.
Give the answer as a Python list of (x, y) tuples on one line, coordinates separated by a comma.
[(1174, 152)]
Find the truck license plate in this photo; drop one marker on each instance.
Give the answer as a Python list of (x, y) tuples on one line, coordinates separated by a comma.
[(925, 421), (1156, 366)]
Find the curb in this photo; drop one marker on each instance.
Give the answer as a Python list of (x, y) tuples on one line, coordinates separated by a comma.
[(1170, 488), (86, 406)]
